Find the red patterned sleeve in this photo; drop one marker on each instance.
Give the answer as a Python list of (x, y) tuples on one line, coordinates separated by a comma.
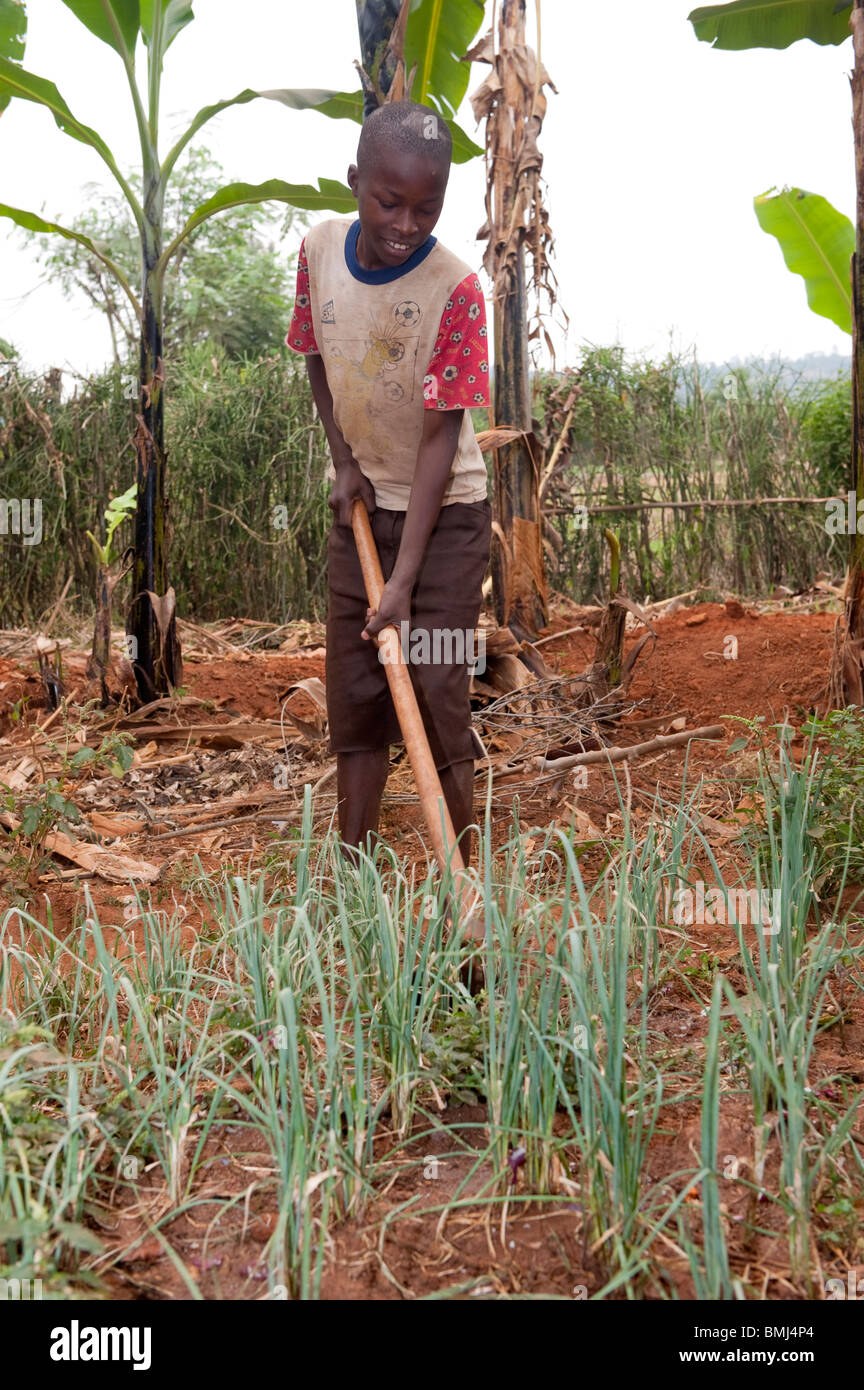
[(458, 373), (301, 334)]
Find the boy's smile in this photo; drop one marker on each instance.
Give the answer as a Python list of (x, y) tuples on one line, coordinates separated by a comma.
[(399, 201)]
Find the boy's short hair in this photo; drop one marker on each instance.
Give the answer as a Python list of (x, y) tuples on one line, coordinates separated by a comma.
[(406, 126)]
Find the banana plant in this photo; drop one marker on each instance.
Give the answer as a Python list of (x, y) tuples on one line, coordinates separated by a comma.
[(119, 509), (432, 41), (121, 25), (13, 32), (777, 24)]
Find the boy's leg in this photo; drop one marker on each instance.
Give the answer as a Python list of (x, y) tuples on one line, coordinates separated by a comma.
[(446, 606), (360, 781), (457, 784), (358, 701)]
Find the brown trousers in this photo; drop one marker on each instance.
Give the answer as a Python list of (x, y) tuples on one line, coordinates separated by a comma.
[(445, 605)]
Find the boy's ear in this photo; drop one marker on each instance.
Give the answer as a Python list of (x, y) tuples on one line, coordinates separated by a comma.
[(353, 178)]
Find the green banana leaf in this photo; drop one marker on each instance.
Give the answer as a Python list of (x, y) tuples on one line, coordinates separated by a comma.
[(772, 23), (32, 222), (438, 33), (176, 14), (13, 28), (115, 22), (817, 243), (339, 105), (464, 148), (349, 106), (330, 195)]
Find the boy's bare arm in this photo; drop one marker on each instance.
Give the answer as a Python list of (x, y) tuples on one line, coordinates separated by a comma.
[(349, 483), (434, 463)]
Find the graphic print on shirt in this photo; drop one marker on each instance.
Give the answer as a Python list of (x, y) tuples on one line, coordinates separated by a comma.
[(376, 374), (327, 312), (407, 313)]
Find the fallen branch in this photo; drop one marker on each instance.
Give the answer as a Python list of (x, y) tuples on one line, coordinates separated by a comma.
[(224, 806), (636, 750), (234, 734), (290, 813)]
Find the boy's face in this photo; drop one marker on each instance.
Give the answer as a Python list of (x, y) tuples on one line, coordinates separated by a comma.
[(399, 200)]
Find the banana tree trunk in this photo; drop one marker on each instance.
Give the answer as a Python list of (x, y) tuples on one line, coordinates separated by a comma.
[(846, 683), (518, 582), (518, 579), (375, 21), (155, 649)]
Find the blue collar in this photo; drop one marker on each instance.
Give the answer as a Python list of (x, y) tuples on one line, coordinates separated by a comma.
[(387, 273)]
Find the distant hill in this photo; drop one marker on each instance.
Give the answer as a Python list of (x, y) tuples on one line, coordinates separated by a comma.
[(815, 366)]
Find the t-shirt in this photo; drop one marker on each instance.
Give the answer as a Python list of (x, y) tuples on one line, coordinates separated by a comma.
[(395, 342)]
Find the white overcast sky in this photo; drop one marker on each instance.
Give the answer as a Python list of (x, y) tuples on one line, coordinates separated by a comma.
[(654, 149)]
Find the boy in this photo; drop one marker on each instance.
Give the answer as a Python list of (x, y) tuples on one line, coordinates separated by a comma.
[(393, 327)]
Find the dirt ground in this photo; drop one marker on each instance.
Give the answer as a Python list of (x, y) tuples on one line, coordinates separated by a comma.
[(779, 672)]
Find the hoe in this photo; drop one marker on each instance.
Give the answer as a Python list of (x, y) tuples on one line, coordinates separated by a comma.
[(432, 802)]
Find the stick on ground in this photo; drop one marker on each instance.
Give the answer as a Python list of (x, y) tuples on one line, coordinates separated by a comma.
[(635, 750)]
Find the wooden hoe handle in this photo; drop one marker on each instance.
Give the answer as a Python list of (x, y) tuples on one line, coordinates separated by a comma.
[(433, 805)]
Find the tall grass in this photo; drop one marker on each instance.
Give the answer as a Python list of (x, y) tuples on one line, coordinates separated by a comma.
[(643, 431), (243, 444), (248, 493)]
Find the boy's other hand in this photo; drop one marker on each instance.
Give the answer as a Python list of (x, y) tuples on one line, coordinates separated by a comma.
[(394, 609), (347, 486)]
